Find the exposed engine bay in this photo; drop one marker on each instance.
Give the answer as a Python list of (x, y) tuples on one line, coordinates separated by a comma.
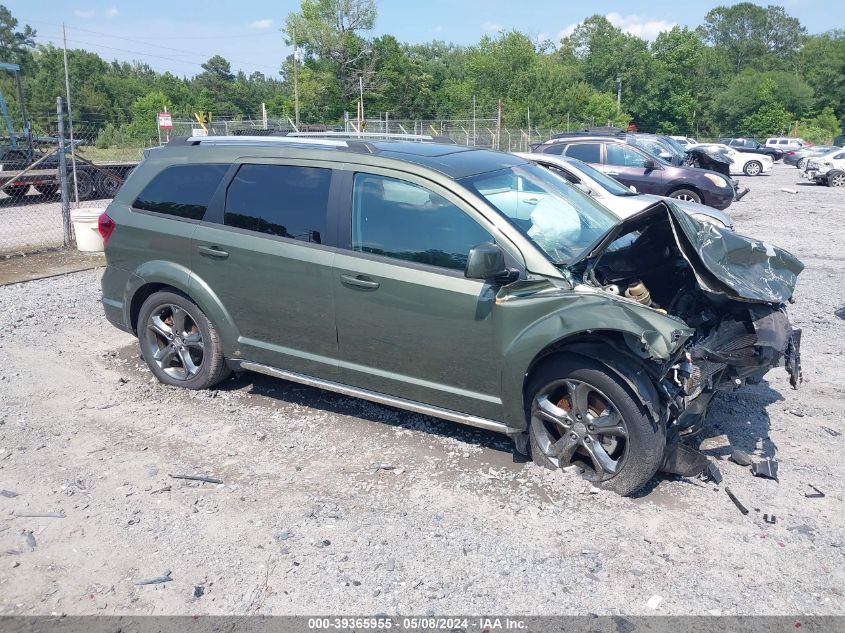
[(731, 290)]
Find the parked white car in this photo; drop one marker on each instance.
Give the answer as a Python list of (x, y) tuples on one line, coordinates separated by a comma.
[(686, 141), (742, 163), (785, 143), (828, 169), (621, 200)]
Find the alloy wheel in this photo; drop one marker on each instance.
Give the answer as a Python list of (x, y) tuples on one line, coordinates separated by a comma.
[(837, 180), (174, 342), (752, 169), (686, 197), (576, 424)]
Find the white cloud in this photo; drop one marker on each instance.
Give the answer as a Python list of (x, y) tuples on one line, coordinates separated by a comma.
[(266, 23), (491, 26), (112, 12), (85, 13), (567, 31), (641, 27)]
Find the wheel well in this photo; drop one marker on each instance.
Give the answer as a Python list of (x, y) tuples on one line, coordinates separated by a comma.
[(603, 347), (688, 188), (141, 295)]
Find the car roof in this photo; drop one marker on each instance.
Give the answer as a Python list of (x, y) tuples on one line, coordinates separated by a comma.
[(452, 160), (595, 138)]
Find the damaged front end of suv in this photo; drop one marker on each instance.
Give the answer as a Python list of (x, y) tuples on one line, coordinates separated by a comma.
[(729, 291)]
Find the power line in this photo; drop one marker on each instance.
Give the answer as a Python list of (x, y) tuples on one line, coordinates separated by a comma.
[(145, 40), (166, 37), (50, 39)]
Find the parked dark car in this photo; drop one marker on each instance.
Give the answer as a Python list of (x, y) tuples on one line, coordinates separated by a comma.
[(635, 167), (751, 145)]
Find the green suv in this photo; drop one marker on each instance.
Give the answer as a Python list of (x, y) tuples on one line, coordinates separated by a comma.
[(456, 282)]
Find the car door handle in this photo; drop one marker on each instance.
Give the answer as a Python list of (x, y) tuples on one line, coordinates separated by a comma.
[(359, 281), (612, 173), (531, 200), (212, 251)]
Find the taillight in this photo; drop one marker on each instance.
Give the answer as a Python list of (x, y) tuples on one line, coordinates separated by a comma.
[(106, 226), (791, 153)]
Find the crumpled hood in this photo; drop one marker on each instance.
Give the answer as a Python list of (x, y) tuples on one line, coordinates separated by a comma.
[(725, 263)]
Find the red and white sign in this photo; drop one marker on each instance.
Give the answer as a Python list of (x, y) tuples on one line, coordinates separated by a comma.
[(165, 120)]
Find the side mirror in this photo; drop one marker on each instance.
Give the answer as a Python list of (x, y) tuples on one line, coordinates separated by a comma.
[(649, 164), (633, 189), (487, 262), (665, 155)]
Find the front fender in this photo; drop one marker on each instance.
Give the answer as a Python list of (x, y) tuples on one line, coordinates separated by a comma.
[(533, 324)]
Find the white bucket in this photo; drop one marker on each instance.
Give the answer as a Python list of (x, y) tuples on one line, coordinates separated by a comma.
[(85, 226)]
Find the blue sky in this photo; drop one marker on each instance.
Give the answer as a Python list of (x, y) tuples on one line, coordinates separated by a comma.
[(179, 36)]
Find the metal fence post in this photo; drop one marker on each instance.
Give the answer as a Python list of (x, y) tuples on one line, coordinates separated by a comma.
[(60, 124)]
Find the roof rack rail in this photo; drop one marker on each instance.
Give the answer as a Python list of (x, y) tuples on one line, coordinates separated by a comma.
[(252, 140), (374, 136)]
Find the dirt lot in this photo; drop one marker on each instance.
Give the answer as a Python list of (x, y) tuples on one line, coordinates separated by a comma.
[(306, 522)]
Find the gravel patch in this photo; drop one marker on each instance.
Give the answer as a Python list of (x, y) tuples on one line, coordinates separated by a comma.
[(334, 505)]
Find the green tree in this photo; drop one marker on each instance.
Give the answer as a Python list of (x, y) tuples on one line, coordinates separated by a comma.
[(753, 36), (770, 118), (330, 31), (15, 44)]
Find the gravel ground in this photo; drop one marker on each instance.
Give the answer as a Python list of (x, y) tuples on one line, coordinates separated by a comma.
[(307, 523)]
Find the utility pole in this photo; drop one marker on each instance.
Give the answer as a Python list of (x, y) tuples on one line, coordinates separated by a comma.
[(295, 82), (618, 94), (70, 121), (361, 102), (499, 124), (473, 120)]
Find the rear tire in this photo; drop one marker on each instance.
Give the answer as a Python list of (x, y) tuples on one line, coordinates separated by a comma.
[(686, 194), (84, 185), (753, 168), (611, 422), (179, 344), (108, 184)]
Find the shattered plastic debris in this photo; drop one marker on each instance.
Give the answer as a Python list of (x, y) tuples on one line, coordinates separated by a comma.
[(768, 469), (740, 457)]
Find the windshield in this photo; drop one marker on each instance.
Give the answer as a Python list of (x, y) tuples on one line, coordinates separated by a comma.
[(612, 185), (555, 215), (679, 149)]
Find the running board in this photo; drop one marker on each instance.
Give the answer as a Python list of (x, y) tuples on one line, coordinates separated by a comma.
[(374, 396)]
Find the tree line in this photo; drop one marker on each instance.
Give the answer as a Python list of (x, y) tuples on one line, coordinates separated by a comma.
[(746, 70)]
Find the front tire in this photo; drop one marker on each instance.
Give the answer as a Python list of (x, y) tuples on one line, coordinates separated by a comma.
[(686, 194), (836, 179), (179, 344), (753, 168), (582, 415)]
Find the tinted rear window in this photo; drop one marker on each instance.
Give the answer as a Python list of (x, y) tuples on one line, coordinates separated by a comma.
[(183, 191), (281, 200), (588, 152)]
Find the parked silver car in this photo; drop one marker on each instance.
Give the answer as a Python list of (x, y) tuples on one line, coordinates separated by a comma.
[(621, 200)]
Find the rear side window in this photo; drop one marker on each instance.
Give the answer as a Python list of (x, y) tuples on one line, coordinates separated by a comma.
[(281, 200), (183, 191), (588, 152), (552, 148)]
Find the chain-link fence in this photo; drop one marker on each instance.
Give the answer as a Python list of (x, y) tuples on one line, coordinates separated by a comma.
[(45, 177)]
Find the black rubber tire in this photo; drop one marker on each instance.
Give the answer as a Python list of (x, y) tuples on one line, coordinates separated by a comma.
[(836, 178), (16, 191), (108, 184), (759, 168), (693, 195), (84, 185), (646, 437), (213, 369)]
